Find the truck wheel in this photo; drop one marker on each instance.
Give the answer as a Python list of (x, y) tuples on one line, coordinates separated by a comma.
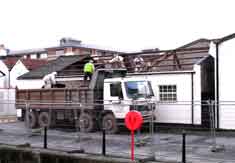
[(109, 124), (44, 119), (86, 122), (32, 120)]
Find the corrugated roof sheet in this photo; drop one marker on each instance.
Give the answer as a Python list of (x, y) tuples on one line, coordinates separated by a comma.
[(200, 43)]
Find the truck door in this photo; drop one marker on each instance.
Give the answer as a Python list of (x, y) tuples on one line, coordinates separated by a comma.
[(113, 98)]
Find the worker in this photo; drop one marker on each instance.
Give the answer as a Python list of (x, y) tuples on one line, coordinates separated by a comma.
[(139, 63), (117, 61), (49, 80), (89, 68)]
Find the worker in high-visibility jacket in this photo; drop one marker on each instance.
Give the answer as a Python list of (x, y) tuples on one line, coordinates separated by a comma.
[(89, 68)]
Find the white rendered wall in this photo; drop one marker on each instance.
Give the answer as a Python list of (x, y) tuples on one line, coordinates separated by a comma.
[(227, 84), (181, 111), (4, 80), (7, 104), (18, 70), (197, 95)]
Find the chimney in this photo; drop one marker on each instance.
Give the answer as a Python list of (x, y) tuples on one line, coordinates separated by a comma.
[(69, 41), (150, 50)]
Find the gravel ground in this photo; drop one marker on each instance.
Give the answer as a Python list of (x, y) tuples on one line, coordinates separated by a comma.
[(164, 147)]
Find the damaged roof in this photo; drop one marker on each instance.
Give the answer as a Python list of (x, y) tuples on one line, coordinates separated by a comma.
[(53, 66), (179, 59)]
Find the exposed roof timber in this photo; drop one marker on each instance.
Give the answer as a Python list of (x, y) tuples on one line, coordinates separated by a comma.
[(185, 58), (173, 65), (152, 57), (176, 60), (162, 58), (169, 67), (171, 50)]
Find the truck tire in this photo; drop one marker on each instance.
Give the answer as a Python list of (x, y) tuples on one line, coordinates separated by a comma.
[(44, 119), (109, 123), (86, 122), (32, 120)]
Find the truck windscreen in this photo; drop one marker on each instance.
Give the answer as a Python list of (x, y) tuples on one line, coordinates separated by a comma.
[(139, 89)]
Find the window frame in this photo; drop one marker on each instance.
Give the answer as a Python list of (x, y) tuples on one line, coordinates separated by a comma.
[(168, 93), (119, 93)]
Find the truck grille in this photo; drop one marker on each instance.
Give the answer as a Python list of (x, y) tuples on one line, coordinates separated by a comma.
[(145, 110)]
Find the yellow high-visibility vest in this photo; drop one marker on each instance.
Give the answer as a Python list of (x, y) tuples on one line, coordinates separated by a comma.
[(89, 67)]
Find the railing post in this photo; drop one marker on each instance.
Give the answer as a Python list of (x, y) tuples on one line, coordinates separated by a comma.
[(104, 142), (183, 147), (45, 137), (27, 115)]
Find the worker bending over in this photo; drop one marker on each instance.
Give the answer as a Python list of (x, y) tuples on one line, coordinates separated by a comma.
[(117, 61), (49, 80)]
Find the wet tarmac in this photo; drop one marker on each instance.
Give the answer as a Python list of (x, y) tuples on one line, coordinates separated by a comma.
[(201, 147)]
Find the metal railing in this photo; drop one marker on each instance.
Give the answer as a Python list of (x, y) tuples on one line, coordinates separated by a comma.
[(171, 134)]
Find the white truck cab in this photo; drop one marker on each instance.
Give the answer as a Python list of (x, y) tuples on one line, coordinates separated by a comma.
[(124, 94)]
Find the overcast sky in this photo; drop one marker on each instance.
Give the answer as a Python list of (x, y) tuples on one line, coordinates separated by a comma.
[(119, 24)]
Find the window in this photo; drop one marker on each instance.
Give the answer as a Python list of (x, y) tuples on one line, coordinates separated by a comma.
[(116, 90), (167, 93), (85, 52), (33, 56), (43, 55), (138, 89), (59, 52)]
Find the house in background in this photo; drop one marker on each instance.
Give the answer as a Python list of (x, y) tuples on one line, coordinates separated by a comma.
[(7, 95), (23, 66), (39, 53), (5, 66), (70, 46), (14, 67), (67, 46)]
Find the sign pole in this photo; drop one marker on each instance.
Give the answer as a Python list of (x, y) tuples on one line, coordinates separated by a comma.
[(132, 145), (133, 121)]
